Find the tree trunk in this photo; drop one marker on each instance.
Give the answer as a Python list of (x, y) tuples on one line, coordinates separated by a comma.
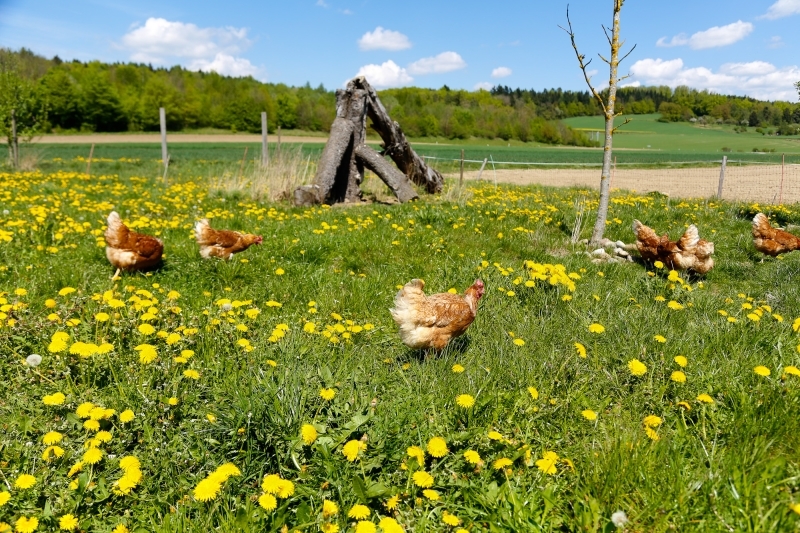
[(392, 177), (339, 175), (14, 139), (605, 176), (396, 146)]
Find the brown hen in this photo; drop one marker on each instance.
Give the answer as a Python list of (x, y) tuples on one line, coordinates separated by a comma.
[(772, 241), (431, 321), (690, 252), (127, 250), (222, 243)]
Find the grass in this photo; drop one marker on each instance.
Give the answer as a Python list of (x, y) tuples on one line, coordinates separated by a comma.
[(727, 465)]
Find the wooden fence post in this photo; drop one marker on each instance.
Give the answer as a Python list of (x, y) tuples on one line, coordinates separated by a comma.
[(14, 141), (279, 141), (783, 171), (264, 146), (89, 161), (244, 158), (722, 176), (461, 177), (163, 119)]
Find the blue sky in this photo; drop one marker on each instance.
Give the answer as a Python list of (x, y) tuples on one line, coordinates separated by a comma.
[(727, 46)]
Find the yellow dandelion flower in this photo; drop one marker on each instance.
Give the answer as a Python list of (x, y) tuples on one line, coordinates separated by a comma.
[(660, 338), (417, 453), (54, 451), (450, 519), (791, 371), (285, 488), (581, 349), (519, 342), (308, 434), (52, 437), (431, 494), (4, 497), (268, 502), (173, 401), (54, 399), (207, 490), (596, 328), (352, 449), (392, 502), (329, 527), (25, 524), (126, 416), (636, 367), (494, 435), (547, 463), (588, 414), (327, 394), (457, 369), (121, 528), (329, 509), (705, 398), (25, 481), (365, 527), (191, 374), (762, 371), (390, 525), (92, 456), (67, 522), (674, 305), (472, 457), (678, 377), (465, 400), (533, 392), (681, 361), (146, 329), (501, 463), (437, 447), (358, 512), (422, 479)]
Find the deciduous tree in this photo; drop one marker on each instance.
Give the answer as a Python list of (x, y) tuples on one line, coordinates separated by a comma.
[(607, 105)]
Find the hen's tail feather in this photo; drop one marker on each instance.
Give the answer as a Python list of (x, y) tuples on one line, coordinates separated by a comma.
[(760, 224), (114, 230), (690, 238), (202, 229)]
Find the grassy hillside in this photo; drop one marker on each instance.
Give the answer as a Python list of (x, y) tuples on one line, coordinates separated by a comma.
[(645, 132)]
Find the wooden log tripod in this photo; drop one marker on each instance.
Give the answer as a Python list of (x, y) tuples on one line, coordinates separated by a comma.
[(341, 166)]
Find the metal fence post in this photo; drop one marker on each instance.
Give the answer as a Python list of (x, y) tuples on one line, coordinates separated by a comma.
[(722, 176)]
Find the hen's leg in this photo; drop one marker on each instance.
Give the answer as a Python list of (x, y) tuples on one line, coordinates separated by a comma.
[(115, 277)]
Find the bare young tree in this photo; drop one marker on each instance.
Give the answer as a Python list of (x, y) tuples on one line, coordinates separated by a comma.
[(606, 105)]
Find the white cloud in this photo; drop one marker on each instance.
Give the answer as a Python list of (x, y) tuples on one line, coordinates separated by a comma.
[(712, 37), (346, 12), (632, 84), (382, 39), (721, 35), (208, 49), (485, 85), (782, 8), (226, 65), (322, 3), (678, 40), (160, 38), (656, 68), (753, 68), (758, 79), (444, 62), (501, 72), (388, 74)]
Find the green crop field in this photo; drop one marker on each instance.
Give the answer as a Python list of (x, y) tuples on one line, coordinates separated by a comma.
[(272, 392), (644, 132)]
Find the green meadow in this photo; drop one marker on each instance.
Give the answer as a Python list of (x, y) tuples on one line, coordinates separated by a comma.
[(272, 392)]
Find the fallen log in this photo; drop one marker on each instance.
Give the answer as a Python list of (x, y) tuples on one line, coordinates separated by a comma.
[(392, 177), (396, 146)]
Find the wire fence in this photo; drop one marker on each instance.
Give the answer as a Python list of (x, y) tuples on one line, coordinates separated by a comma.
[(744, 181)]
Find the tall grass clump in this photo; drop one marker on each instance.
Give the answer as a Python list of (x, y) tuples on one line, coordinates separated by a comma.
[(287, 169)]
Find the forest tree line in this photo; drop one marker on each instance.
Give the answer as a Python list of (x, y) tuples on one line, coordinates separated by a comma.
[(51, 95)]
